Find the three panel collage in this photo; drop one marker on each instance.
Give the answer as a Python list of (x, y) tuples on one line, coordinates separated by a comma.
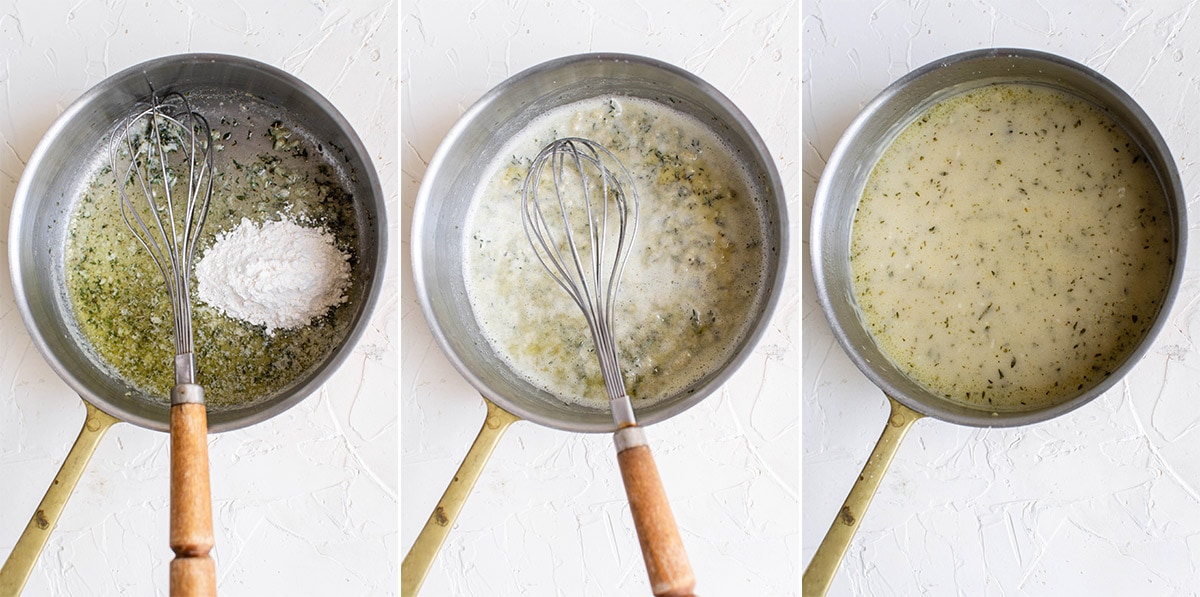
[(782, 297)]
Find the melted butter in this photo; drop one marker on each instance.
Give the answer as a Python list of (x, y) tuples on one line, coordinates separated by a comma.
[(693, 281), (1011, 248), (120, 299)]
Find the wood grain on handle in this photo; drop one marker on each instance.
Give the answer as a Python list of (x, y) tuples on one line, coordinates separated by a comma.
[(662, 548), (193, 572)]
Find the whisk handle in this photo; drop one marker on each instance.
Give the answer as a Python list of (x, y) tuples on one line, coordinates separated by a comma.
[(193, 572), (662, 548)]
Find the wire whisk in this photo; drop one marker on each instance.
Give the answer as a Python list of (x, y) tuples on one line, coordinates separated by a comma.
[(580, 210), (164, 152), (593, 211), (162, 161)]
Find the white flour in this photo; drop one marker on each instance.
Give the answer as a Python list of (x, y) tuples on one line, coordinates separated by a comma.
[(279, 275)]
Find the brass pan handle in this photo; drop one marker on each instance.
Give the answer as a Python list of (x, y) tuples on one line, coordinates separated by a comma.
[(423, 551), (20, 562), (824, 564)]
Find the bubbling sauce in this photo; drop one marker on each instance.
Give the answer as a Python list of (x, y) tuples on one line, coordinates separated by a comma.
[(694, 279), (1012, 247)]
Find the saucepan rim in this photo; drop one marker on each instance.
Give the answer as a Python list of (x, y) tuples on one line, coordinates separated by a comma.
[(479, 115), (372, 222), (843, 179)]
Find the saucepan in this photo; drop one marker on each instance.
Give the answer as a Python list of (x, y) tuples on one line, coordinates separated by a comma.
[(834, 207), (58, 172), (437, 241)]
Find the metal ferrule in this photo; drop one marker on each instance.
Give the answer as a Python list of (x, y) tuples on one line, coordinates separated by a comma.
[(187, 393), (185, 368), (622, 412), (629, 437)]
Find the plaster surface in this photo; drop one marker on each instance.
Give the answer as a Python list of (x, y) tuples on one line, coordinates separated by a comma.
[(305, 503), (1102, 501), (549, 516)]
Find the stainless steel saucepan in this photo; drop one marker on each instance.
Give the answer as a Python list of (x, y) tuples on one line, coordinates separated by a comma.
[(837, 197), (59, 171), (460, 164)]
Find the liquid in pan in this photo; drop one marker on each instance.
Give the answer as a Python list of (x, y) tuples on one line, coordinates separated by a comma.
[(1012, 247), (695, 278), (266, 170)]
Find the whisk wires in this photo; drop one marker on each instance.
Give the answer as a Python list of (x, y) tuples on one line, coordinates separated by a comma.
[(580, 213), (163, 164)]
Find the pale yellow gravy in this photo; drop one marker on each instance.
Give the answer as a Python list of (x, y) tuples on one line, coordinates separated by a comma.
[(1011, 248)]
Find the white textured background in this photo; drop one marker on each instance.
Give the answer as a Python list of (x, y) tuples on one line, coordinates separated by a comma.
[(1102, 501), (548, 516), (305, 503)]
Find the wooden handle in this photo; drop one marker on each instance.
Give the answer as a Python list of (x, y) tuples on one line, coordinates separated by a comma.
[(193, 572), (824, 564), (193, 576), (19, 565), (662, 549)]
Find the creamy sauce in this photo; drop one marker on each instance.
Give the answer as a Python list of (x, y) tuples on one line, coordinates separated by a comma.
[(1011, 248), (693, 280), (120, 300)]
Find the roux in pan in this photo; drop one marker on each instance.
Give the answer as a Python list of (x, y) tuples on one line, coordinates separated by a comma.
[(265, 171), (695, 276)]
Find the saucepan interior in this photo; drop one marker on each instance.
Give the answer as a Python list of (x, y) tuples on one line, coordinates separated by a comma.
[(861, 146), (75, 146), (460, 165)]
